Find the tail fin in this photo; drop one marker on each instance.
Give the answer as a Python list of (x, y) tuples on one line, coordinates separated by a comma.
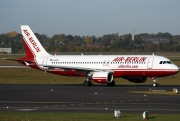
[(32, 45)]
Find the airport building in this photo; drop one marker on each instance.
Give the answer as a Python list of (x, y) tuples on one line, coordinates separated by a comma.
[(6, 50), (157, 40)]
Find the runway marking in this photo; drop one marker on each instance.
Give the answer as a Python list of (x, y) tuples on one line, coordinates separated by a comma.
[(80, 104), (54, 106), (14, 67), (149, 109), (97, 109), (130, 100), (159, 90), (77, 103), (26, 109), (106, 102), (29, 102), (63, 105), (46, 106), (72, 104), (114, 101), (101, 108), (89, 103), (98, 102)]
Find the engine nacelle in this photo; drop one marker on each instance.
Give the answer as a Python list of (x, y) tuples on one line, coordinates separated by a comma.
[(102, 77), (136, 79)]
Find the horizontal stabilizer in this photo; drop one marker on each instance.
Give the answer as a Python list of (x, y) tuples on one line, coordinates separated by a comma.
[(10, 59), (32, 61)]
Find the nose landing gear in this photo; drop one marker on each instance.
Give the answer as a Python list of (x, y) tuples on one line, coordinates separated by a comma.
[(155, 84)]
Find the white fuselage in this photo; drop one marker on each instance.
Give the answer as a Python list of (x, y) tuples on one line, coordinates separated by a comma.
[(121, 65)]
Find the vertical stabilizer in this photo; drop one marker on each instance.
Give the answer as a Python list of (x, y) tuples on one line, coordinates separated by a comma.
[(31, 44)]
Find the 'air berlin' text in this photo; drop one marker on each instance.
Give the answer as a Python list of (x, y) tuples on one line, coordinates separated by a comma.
[(129, 59), (31, 40)]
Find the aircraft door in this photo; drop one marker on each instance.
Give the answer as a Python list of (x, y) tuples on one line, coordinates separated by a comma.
[(150, 63), (44, 61), (106, 63)]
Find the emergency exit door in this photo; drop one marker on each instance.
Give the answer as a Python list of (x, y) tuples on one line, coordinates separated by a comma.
[(150, 63)]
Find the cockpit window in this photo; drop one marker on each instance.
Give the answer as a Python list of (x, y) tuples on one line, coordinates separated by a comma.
[(169, 62), (165, 62)]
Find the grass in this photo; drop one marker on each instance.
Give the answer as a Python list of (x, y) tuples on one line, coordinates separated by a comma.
[(44, 116), (155, 92), (11, 56), (33, 76)]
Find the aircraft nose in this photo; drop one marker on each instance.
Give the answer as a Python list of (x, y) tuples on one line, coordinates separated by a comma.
[(176, 68)]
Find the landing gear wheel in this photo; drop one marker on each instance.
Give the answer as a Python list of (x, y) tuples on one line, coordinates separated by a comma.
[(90, 83), (87, 83), (111, 84), (154, 82), (155, 85)]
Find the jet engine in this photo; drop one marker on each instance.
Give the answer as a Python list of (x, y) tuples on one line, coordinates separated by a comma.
[(136, 79), (102, 77)]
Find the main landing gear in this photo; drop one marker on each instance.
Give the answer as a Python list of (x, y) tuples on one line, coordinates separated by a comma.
[(155, 84), (111, 84), (87, 82)]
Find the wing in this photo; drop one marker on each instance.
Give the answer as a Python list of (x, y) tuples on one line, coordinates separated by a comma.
[(78, 69)]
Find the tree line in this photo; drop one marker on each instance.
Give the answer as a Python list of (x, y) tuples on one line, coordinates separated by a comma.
[(107, 43)]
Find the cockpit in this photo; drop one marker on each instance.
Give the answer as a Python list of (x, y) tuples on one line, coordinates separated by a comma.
[(165, 62)]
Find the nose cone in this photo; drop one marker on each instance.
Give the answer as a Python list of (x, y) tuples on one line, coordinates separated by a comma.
[(176, 69)]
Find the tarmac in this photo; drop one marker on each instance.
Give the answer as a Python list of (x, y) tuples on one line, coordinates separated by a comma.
[(78, 98)]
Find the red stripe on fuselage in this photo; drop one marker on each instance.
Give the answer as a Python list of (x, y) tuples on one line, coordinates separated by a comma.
[(147, 73), (121, 73)]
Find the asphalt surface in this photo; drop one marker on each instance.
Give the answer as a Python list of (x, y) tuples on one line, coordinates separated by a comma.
[(77, 98)]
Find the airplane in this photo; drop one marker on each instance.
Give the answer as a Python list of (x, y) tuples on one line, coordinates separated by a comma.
[(98, 68)]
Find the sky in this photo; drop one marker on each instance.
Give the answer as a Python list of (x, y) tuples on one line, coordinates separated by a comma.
[(90, 17)]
